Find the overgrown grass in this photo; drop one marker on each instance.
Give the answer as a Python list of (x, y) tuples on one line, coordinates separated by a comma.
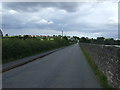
[(16, 48), (102, 78)]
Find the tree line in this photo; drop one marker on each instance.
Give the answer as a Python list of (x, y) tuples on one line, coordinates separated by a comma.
[(100, 40)]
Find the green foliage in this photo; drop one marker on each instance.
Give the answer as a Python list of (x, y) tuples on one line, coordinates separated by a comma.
[(85, 40), (102, 78), (100, 40), (110, 41), (16, 48)]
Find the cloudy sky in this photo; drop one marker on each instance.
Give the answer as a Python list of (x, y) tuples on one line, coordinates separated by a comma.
[(89, 19)]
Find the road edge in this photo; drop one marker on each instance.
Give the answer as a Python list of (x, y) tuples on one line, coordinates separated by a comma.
[(8, 66), (101, 77)]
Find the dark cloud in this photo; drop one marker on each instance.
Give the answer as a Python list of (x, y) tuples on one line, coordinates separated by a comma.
[(63, 24), (34, 6), (83, 20)]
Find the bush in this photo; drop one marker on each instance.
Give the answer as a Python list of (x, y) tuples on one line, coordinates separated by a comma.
[(16, 48)]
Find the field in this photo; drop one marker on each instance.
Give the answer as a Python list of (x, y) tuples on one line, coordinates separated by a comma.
[(14, 48)]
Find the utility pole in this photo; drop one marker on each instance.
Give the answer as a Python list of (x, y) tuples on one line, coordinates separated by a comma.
[(62, 33)]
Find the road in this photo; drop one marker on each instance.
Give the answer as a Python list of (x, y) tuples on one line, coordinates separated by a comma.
[(66, 68)]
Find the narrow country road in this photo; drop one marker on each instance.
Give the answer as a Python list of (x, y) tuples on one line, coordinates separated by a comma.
[(66, 68)]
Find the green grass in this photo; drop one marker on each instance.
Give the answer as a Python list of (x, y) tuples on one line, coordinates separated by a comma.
[(16, 48), (101, 77)]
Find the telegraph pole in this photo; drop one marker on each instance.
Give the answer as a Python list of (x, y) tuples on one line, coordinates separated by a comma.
[(62, 33)]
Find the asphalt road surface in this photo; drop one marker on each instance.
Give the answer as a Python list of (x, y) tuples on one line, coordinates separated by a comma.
[(66, 68)]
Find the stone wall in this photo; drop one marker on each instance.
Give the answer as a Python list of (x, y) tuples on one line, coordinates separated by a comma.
[(107, 58)]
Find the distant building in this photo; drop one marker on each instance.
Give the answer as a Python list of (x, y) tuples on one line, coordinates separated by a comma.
[(1, 33)]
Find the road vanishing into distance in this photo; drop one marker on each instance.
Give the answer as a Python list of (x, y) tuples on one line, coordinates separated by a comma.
[(66, 68)]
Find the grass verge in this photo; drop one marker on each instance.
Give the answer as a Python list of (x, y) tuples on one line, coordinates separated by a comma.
[(101, 77)]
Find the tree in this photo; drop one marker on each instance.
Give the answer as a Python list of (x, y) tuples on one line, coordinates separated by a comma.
[(65, 37), (6, 34), (110, 41), (82, 39), (100, 40)]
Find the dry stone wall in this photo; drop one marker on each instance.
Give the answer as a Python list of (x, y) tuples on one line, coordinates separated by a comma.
[(107, 58)]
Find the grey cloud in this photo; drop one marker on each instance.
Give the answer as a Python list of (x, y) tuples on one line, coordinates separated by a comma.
[(12, 22), (69, 22), (34, 6)]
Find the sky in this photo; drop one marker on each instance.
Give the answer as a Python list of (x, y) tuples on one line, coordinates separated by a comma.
[(82, 19)]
